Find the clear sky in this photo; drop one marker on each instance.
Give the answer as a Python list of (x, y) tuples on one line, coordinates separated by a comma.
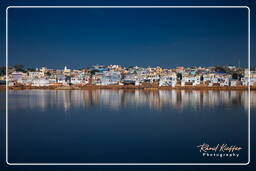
[(79, 38)]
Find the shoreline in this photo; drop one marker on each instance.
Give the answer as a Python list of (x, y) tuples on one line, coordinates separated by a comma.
[(93, 87)]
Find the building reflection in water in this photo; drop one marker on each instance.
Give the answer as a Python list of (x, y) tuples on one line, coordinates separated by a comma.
[(118, 99)]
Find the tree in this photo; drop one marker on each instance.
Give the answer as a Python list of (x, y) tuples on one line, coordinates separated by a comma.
[(48, 74), (19, 68), (179, 76), (2, 70), (201, 78), (31, 69), (235, 76), (220, 69), (94, 71), (240, 76), (68, 80)]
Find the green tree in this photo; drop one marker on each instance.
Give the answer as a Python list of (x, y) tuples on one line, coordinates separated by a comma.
[(68, 80), (94, 71), (220, 69), (2, 70), (48, 74), (235, 76), (179, 76), (201, 78)]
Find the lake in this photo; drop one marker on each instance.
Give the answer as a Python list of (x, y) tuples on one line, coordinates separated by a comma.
[(126, 126)]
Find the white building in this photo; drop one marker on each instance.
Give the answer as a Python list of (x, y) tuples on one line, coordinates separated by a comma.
[(40, 82), (36, 74)]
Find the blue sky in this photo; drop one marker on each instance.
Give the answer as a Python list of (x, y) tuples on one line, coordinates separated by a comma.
[(79, 38)]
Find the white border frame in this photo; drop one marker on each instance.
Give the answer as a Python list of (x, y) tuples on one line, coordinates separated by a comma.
[(249, 113)]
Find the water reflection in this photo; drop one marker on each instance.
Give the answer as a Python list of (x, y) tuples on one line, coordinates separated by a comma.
[(117, 99)]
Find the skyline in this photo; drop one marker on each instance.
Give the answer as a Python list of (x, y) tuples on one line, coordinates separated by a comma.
[(237, 65), (83, 37), (123, 66)]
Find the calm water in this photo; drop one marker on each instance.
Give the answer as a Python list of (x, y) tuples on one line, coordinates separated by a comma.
[(133, 126)]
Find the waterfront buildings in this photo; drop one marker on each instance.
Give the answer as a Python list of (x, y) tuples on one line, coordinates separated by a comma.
[(118, 75)]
